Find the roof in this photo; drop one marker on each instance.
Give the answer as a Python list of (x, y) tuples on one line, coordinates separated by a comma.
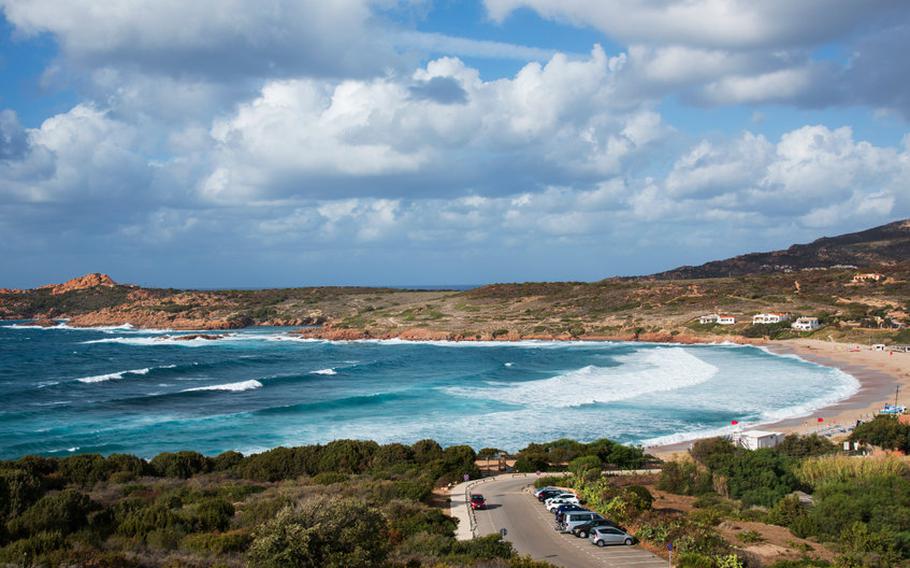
[(760, 433)]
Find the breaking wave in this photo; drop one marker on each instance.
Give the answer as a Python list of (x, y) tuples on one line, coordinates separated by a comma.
[(120, 374), (656, 371), (329, 371), (231, 387)]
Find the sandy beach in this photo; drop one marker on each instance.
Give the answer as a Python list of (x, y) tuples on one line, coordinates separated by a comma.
[(879, 373)]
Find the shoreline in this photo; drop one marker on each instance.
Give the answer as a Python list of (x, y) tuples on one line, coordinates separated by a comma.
[(878, 374)]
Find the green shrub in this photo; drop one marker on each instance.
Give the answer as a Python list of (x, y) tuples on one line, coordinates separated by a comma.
[(796, 446), (329, 477), (18, 490), (392, 455), (230, 542), (64, 512), (426, 451), (226, 461), (324, 531), (181, 465), (684, 477), (885, 431), (210, 514), (580, 466), (528, 462), (347, 456), (140, 520), (407, 518), (85, 469), (25, 551), (750, 537), (786, 511)]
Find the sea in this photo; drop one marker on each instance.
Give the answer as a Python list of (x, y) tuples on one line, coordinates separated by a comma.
[(124, 390)]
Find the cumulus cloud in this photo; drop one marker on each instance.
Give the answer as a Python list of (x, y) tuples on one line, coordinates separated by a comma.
[(442, 130)]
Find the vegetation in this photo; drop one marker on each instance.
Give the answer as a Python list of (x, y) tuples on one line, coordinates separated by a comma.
[(884, 431), (858, 504), (347, 503)]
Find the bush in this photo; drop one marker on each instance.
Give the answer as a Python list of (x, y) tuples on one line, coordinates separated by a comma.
[(786, 511), (24, 552), (181, 465), (85, 469), (230, 542), (796, 446), (64, 512), (407, 518), (392, 455), (329, 477), (885, 431), (426, 451), (532, 462), (331, 532), (347, 456), (210, 514), (18, 490), (580, 466), (226, 461), (684, 478)]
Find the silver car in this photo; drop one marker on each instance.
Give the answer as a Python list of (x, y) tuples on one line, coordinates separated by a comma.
[(602, 536)]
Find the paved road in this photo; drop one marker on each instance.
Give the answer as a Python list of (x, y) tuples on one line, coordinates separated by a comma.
[(530, 529)]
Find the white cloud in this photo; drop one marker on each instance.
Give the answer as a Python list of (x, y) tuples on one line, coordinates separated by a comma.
[(734, 24), (315, 137)]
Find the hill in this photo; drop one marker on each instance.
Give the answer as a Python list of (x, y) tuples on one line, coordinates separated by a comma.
[(873, 248), (816, 279)]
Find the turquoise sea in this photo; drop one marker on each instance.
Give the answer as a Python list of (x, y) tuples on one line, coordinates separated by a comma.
[(108, 390)]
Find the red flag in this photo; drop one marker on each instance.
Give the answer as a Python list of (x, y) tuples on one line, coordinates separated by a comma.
[(734, 422), (820, 419)]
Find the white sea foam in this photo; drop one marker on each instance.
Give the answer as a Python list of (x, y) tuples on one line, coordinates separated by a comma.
[(329, 371), (120, 374), (231, 387), (654, 371), (509, 364)]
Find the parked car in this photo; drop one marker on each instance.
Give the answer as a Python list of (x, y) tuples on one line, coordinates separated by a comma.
[(602, 536), (548, 494), (563, 495), (478, 502), (540, 490), (553, 504), (582, 530), (571, 519)]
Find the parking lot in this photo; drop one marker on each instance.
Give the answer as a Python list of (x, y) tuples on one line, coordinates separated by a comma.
[(530, 529)]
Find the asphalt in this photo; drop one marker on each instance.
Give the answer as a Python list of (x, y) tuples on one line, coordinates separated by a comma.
[(530, 529)]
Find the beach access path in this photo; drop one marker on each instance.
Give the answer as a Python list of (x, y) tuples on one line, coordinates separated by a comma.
[(529, 527)]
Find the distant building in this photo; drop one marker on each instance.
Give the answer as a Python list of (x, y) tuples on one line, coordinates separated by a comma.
[(867, 277), (707, 319), (878, 347), (759, 319), (806, 324), (726, 319), (757, 439)]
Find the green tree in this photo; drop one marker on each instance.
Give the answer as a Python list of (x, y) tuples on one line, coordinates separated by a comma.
[(883, 431)]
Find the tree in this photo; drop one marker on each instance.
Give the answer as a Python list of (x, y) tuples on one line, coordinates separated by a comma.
[(330, 532), (883, 431)]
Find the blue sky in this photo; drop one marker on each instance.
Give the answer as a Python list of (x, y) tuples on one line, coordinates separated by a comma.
[(233, 143)]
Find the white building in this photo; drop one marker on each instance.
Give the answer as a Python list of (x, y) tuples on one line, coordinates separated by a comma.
[(757, 439), (707, 319), (806, 324), (769, 318), (726, 319)]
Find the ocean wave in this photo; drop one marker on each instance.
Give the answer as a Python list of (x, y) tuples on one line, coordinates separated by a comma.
[(120, 374), (656, 370), (842, 387), (231, 387), (329, 371)]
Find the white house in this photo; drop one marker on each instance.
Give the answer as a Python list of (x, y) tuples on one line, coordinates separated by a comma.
[(707, 319), (769, 318), (806, 324), (869, 277), (757, 439), (726, 319)]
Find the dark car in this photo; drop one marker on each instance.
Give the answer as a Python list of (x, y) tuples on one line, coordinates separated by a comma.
[(544, 495), (582, 531), (478, 502), (563, 509)]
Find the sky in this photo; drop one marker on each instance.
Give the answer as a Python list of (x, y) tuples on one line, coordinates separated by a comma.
[(229, 143)]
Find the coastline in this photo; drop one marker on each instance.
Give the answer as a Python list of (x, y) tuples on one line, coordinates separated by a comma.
[(878, 373)]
